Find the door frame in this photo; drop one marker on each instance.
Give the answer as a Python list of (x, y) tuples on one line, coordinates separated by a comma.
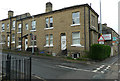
[(25, 43), (62, 34)]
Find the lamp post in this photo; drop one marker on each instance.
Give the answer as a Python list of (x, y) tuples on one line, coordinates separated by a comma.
[(32, 37), (100, 19)]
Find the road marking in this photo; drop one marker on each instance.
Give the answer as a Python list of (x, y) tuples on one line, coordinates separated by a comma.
[(37, 77), (101, 67), (74, 68), (119, 71), (117, 64)]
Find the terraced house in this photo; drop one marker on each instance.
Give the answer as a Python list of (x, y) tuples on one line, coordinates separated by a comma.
[(68, 30)]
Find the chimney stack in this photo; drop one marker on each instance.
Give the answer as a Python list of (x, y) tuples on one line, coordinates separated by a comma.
[(10, 13), (48, 7)]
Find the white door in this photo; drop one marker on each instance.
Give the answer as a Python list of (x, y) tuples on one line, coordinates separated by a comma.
[(26, 43), (111, 51), (63, 42), (8, 41)]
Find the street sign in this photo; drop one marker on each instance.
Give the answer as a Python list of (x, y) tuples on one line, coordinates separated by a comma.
[(101, 38), (107, 36), (114, 38), (101, 42)]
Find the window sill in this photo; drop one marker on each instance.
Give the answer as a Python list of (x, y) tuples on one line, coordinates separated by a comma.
[(2, 43), (13, 42), (48, 46), (33, 46), (18, 32), (77, 45), (48, 28), (93, 27), (75, 24), (32, 30), (19, 46), (12, 29), (2, 30)]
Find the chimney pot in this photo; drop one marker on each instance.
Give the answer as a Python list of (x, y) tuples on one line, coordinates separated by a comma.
[(10, 13), (48, 7)]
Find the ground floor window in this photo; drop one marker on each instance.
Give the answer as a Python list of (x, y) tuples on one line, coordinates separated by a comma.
[(76, 38), (19, 40), (49, 40)]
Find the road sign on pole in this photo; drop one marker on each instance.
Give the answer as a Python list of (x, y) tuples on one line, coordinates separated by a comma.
[(101, 40)]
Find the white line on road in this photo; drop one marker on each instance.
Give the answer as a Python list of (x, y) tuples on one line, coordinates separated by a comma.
[(119, 71), (74, 68), (37, 77)]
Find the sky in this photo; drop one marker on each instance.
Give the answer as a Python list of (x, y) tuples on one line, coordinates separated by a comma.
[(109, 8)]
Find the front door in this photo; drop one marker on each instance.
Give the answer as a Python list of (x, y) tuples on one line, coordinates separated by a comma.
[(26, 44), (63, 41)]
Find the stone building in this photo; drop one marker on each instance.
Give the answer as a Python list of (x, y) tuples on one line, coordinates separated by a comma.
[(71, 29), (111, 38)]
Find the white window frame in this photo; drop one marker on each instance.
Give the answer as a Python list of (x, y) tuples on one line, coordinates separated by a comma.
[(93, 20), (19, 28), (51, 22), (8, 26), (51, 39), (13, 25), (3, 27), (47, 40), (76, 38), (74, 19), (13, 38), (26, 26), (48, 21), (33, 25)]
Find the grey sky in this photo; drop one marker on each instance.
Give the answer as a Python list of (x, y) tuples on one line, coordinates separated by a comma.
[(109, 8)]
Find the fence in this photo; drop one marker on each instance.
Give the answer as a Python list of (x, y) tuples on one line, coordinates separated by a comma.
[(16, 68)]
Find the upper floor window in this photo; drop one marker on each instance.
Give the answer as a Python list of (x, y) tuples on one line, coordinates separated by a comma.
[(34, 25), (13, 25), (93, 20), (19, 28), (76, 18), (3, 27), (26, 26), (7, 26), (49, 23)]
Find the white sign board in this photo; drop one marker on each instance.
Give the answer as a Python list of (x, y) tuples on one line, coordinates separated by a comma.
[(101, 42), (63, 42), (107, 36)]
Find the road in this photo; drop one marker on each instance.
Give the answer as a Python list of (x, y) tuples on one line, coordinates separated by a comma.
[(53, 68)]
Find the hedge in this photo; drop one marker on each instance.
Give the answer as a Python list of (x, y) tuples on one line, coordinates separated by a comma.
[(99, 52)]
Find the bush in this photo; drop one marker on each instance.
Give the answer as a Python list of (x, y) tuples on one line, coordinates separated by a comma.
[(99, 52)]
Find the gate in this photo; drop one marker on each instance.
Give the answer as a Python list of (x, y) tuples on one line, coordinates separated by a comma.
[(16, 68)]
